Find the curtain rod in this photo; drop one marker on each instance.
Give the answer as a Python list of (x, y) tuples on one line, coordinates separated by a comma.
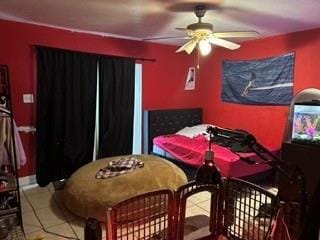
[(135, 58), (145, 59)]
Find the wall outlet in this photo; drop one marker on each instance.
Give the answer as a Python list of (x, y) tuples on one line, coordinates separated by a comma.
[(27, 98)]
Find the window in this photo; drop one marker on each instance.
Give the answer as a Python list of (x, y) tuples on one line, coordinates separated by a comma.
[(137, 122)]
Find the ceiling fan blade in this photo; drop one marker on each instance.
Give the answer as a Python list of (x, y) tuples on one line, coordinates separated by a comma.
[(188, 46), (223, 43), (242, 34), (182, 29), (164, 38)]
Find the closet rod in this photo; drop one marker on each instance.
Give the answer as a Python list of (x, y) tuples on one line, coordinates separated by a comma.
[(135, 58)]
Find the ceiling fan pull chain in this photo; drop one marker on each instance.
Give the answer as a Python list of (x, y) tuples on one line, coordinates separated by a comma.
[(198, 65)]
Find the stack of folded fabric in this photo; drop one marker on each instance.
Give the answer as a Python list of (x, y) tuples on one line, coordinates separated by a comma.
[(121, 166)]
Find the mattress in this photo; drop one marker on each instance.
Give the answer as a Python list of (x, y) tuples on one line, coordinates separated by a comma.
[(190, 151)]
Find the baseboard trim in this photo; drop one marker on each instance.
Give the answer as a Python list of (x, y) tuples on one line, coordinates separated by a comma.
[(27, 180)]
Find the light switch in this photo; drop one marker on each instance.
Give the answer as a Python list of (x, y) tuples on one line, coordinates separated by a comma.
[(28, 98)]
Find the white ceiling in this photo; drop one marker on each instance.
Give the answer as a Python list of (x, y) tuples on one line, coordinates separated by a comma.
[(139, 19)]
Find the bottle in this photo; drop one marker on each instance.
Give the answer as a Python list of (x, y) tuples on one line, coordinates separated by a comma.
[(208, 172)]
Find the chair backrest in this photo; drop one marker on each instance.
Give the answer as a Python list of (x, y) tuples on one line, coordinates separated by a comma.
[(248, 210), (183, 194), (146, 216)]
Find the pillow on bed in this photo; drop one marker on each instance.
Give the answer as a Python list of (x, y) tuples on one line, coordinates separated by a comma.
[(194, 131)]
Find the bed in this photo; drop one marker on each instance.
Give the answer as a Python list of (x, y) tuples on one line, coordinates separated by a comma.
[(159, 129)]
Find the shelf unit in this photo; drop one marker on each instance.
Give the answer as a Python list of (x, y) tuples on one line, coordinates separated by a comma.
[(11, 226)]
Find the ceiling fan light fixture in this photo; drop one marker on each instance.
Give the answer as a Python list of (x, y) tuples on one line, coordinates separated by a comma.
[(204, 47), (202, 36)]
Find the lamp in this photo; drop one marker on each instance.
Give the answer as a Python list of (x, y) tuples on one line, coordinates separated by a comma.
[(208, 172), (204, 47)]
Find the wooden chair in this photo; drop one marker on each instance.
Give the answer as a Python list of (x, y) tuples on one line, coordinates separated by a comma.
[(147, 216)]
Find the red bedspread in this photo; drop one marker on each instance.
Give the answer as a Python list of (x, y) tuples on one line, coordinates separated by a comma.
[(191, 152)]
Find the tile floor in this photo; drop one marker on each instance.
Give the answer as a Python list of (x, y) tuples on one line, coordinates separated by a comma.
[(42, 208)]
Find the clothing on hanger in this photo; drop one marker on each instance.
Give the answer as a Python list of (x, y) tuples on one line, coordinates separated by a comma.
[(7, 147)]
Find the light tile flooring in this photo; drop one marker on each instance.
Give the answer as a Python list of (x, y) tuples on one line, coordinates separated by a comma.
[(42, 209)]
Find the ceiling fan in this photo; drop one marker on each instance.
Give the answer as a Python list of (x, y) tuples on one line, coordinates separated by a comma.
[(201, 34)]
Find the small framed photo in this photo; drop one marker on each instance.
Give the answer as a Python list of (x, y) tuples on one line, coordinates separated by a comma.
[(191, 79)]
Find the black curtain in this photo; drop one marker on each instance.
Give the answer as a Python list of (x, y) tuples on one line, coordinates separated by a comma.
[(116, 105), (66, 97)]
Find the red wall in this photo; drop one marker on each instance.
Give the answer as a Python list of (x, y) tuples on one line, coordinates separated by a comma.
[(267, 123), (163, 80)]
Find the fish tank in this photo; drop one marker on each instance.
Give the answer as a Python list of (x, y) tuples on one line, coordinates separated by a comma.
[(302, 126), (306, 123)]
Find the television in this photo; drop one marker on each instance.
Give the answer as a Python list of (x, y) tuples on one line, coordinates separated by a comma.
[(306, 123)]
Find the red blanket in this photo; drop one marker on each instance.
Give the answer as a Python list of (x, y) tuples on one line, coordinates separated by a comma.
[(191, 152)]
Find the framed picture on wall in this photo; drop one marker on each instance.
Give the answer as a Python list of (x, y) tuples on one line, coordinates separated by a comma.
[(191, 79)]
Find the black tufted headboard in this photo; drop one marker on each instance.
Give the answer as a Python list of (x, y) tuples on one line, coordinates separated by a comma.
[(162, 122)]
